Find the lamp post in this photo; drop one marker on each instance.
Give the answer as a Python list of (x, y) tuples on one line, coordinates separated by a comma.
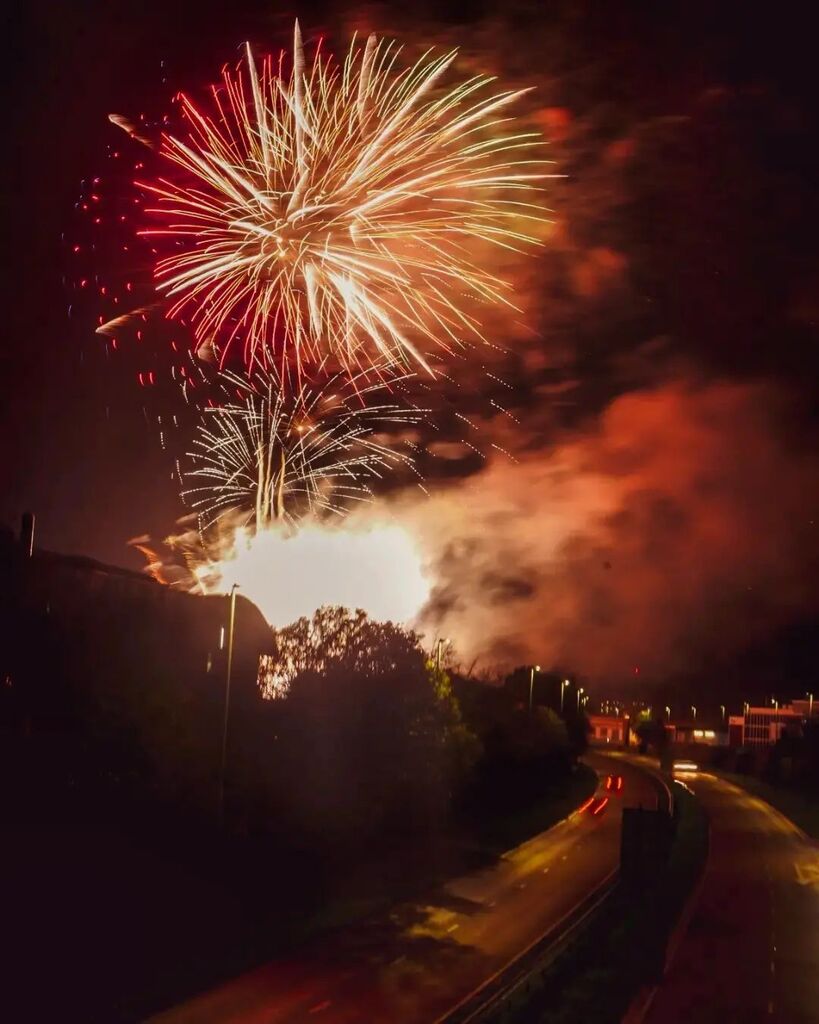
[(722, 711), (746, 707), (227, 703), (668, 712), (580, 690), (693, 712), (441, 641), (564, 683), (810, 705), (532, 670)]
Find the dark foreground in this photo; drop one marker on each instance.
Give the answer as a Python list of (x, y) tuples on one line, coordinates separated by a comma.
[(418, 961)]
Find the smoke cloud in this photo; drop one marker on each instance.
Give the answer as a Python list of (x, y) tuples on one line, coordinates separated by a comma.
[(678, 526)]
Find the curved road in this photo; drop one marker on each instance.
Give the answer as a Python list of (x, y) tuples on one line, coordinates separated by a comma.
[(751, 950), (417, 962)]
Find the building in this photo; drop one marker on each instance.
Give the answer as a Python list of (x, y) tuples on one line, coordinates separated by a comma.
[(762, 727), (608, 730), (697, 732)]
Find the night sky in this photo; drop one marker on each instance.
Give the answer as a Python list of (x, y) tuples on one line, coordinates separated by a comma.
[(668, 401)]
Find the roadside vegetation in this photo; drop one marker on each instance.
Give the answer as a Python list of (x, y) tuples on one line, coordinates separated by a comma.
[(359, 772)]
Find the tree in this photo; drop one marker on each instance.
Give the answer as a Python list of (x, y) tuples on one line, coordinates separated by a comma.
[(339, 639), (370, 734), (652, 733)]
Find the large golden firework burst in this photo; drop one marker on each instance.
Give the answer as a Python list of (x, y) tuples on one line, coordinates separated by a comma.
[(350, 211)]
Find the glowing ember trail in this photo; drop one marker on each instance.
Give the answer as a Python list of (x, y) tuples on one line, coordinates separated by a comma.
[(345, 210), (377, 568)]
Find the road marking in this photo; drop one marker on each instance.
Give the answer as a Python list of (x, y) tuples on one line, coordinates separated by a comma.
[(321, 1006), (398, 960), (452, 927)]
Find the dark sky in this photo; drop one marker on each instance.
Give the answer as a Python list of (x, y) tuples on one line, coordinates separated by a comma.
[(686, 259)]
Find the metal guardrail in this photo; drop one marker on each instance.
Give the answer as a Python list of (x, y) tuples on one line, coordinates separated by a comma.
[(504, 991)]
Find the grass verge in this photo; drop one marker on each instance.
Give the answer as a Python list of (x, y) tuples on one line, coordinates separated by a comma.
[(801, 810)]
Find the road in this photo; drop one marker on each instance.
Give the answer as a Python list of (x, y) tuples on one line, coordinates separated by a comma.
[(751, 950), (417, 962)]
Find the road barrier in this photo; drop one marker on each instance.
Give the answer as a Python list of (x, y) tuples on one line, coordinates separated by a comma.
[(506, 991)]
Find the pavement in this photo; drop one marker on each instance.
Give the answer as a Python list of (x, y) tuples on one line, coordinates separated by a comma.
[(415, 963), (751, 950)]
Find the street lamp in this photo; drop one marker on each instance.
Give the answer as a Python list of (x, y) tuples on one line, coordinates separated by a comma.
[(668, 712), (581, 690), (746, 707), (532, 670), (722, 711), (441, 641), (693, 712), (227, 702), (563, 686), (810, 705)]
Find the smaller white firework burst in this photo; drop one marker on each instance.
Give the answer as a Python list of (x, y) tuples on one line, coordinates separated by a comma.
[(275, 456)]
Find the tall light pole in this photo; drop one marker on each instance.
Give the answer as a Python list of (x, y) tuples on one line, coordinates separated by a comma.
[(722, 711), (227, 702), (746, 707), (810, 705), (439, 644), (564, 683), (532, 670), (668, 712), (579, 692), (694, 712)]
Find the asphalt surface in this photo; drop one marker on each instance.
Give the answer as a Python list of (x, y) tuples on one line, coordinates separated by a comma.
[(751, 950), (420, 960)]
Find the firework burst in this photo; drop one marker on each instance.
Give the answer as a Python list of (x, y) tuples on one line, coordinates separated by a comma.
[(275, 457), (343, 210)]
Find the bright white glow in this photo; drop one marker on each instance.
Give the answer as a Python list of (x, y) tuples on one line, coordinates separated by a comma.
[(376, 568)]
